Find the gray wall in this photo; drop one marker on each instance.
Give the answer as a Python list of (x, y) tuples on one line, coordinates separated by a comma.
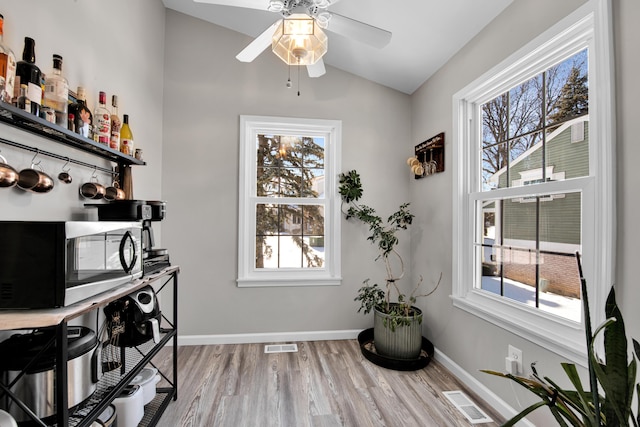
[(206, 90), (184, 90), (472, 343), (103, 49)]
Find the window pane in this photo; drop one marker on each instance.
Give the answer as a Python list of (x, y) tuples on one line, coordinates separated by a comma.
[(568, 89), (313, 180), (313, 152), (290, 166), (526, 251), (567, 148), (494, 167), (525, 107), (494, 121), (290, 182), (268, 182), (267, 150), (289, 236), (290, 252), (267, 219), (266, 247)]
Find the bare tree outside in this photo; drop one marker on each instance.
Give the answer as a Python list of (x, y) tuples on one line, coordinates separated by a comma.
[(516, 120)]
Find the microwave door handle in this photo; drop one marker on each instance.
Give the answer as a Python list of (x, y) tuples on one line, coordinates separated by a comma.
[(128, 267)]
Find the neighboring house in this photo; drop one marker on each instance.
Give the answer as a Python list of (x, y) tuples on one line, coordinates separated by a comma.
[(565, 155)]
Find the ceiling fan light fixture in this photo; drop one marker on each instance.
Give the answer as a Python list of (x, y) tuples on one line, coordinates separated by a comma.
[(275, 6), (322, 19), (322, 4), (298, 40)]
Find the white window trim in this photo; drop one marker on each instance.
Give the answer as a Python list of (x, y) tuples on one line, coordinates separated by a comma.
[(248, 275), (589, 26)]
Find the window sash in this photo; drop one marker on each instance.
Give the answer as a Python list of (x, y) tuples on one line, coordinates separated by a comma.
[(248, 274)]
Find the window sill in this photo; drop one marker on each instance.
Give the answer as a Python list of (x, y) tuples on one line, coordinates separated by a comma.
[(552, 333), (288, 281)]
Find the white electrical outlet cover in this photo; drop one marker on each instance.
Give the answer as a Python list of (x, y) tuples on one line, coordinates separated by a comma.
[(516, 354)]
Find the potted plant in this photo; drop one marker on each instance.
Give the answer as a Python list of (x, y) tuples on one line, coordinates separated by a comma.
[(397, 322), (614, 375)]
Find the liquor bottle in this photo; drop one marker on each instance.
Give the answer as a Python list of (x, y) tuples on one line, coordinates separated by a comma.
[(126, 137), (116, 124), (30, 75), (7, 68), (82, 114), (102, 121), (56, 92), (23, 101)]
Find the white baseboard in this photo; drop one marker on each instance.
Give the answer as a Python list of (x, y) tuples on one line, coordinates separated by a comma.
[(480, 389), (272, 337)]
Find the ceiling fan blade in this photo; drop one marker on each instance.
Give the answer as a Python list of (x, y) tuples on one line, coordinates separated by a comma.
[(258, 45), (249, 4), (317, 69), (356, 30)]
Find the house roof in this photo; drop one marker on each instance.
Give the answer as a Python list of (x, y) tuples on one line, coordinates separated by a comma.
[(566, 125)]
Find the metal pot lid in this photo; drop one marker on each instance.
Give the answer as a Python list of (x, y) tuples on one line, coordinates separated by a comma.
[(19, 350)]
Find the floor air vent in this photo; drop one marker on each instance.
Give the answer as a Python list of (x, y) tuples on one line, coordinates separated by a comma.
[(465, 405), (281, 348)]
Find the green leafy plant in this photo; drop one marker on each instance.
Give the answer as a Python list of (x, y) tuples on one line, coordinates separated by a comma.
[(384, 235), (613, 375)]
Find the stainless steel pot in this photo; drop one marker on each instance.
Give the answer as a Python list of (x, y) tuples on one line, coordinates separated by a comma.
[(36, 388)]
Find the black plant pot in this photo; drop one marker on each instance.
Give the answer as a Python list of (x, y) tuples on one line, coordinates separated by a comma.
[(365, 338)]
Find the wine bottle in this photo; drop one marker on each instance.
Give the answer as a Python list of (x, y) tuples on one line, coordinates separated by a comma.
[(30, 75), (116, 124), (7, 68), (82, 114), (126, 137), (56, 92), (102, 120)]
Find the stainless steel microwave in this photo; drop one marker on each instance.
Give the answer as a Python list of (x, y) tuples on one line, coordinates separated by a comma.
[(54, 264)]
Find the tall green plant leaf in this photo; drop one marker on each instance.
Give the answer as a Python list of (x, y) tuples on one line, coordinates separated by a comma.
[(581, 399), (593, 380), (524, 413), (615, 378)]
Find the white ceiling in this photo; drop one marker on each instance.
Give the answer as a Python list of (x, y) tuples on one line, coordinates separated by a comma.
[(426, 33)]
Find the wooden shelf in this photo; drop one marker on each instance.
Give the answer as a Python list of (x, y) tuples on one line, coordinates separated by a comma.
[(35, 125)]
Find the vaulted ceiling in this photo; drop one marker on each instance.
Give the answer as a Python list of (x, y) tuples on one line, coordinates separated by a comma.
[(425, 33)]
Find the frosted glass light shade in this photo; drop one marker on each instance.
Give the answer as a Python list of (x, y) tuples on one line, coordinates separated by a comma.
[(298, 40)]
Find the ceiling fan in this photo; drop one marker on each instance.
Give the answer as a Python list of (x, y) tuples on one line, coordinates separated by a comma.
[(315, 11)]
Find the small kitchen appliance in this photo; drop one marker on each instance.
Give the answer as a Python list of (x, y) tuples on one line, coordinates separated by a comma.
[(29, 360), (48, 264)]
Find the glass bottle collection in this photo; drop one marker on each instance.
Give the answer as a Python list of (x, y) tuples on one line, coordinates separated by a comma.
[(23, 85)]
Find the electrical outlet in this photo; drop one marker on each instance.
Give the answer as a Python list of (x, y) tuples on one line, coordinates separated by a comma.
[(516, 355)]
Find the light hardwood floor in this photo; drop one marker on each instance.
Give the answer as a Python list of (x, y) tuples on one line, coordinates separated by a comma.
[(324, 384)]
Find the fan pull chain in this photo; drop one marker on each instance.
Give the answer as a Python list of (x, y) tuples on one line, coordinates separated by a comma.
[(298, 78), (289, 79)]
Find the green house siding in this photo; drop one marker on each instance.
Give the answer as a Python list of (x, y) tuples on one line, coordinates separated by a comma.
[(557, 220)]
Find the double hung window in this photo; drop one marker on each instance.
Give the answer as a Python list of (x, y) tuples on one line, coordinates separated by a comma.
[(534, 184), (289, 218)]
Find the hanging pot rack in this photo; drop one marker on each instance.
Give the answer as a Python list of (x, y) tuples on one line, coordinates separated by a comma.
[(57, 156)]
